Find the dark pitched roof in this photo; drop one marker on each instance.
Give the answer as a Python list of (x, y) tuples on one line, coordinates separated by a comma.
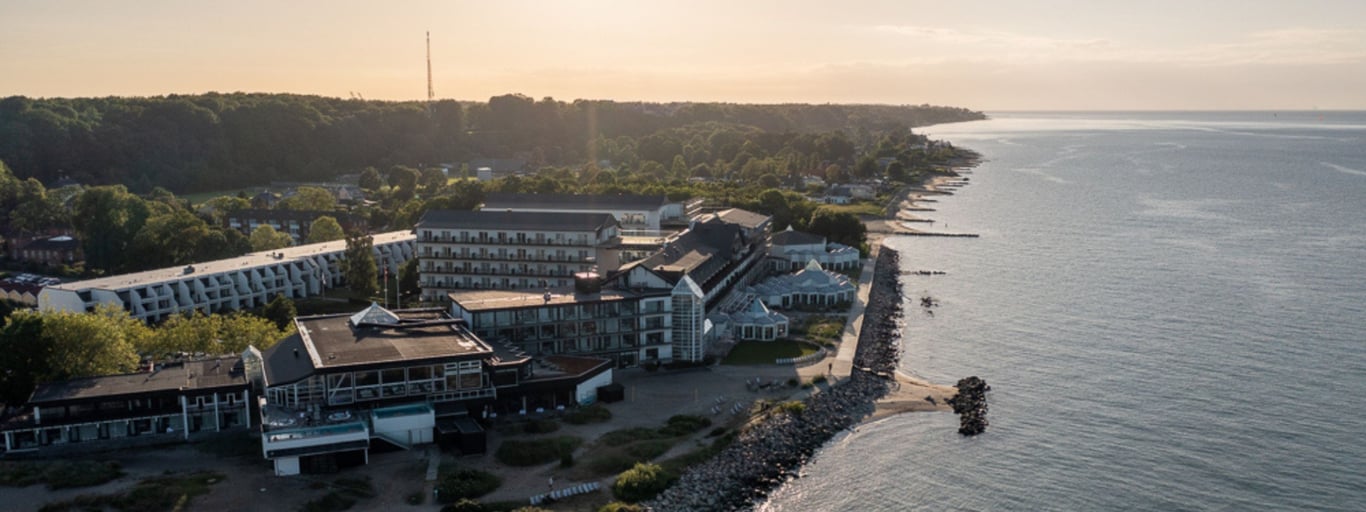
[(699, 253), (56, 243), (792, 237), (202, 374), (302, 215), (498, 200), (505, 220), (287, 361)]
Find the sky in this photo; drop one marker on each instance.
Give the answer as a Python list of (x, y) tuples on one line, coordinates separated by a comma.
[(979, 54)]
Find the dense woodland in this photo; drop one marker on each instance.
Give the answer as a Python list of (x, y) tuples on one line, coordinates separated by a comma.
[(136, 151), (219, 141)]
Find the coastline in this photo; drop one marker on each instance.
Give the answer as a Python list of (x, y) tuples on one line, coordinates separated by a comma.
[(913, 394)]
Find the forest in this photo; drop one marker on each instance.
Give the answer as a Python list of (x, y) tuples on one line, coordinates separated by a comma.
[(214, 141)]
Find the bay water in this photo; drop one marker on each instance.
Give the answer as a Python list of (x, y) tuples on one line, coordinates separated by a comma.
[(1169, 307)]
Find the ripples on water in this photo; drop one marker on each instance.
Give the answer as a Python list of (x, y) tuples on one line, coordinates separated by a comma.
[(1169, 308)]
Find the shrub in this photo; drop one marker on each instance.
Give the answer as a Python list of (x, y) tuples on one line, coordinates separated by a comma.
[(716, 431), (642, 482), (794, 407), (683, 424), (464, 505), (346, 492), (535, 452), (617, 506), (595, 413), (58, 474), (464, 483), (819, 379), (629, 435), (646, 450), (540, 426)]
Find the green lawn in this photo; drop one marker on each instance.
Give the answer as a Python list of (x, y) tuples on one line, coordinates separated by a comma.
[(827, 329), (859, 208), (765, 352)]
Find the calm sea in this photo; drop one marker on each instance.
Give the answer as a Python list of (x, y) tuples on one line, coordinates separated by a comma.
[(1170, 307)]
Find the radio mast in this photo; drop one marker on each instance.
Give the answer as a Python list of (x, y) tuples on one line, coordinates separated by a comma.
[(431, 92)]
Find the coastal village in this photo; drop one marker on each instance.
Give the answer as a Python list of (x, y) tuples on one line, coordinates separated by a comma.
[(544, 322), (474, 336)]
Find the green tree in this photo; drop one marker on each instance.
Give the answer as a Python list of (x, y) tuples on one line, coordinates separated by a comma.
[(370, 180), (192, 333), (837, 226), (896, 171), (679, 168), (266, 238), (642, 482), (214, 334), (404, 180), (24, 356), (408, 276), (31, 209), (237, 331), (866, 167), (107, 218), (835, 174), (281, 311), (315, 199), (361, 272), (104, 342), (176, 238), (324, 229), (433, 181), (223, 205)]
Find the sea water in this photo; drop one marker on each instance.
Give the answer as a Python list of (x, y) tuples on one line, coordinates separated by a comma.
[(1170, 308)]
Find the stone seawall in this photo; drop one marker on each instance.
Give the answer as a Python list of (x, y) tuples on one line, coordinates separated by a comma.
[(776, 447)]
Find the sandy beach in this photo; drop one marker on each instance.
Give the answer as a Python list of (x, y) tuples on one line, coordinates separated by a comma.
[(912, 394)]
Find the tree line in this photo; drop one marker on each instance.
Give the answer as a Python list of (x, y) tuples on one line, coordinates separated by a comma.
[(37, 347), (214, 141)]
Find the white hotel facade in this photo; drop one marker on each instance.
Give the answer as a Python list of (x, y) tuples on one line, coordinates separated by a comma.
[(243, 282)]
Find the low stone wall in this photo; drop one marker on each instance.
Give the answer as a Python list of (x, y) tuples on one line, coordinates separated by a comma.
[(775, 448)]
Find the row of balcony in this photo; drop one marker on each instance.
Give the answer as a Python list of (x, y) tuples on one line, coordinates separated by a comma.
[(501, 273), (549, 258), (514, 241)]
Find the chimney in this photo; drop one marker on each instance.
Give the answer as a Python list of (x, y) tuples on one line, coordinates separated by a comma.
[(296, 353)]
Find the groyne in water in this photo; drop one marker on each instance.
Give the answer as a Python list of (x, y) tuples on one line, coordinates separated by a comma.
[(776, 447), (951, 235)]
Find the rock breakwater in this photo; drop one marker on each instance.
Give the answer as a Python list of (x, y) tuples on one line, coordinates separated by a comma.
[(971, 405), (775, 447)]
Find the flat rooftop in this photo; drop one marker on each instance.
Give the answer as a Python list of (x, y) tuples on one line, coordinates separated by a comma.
[(252, 260), (200, 374), (515, 201), (744, 218), (506, 220), (333, 342), (487, 300)]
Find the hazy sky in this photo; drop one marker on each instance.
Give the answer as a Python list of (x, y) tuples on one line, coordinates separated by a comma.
[(990, 55)]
